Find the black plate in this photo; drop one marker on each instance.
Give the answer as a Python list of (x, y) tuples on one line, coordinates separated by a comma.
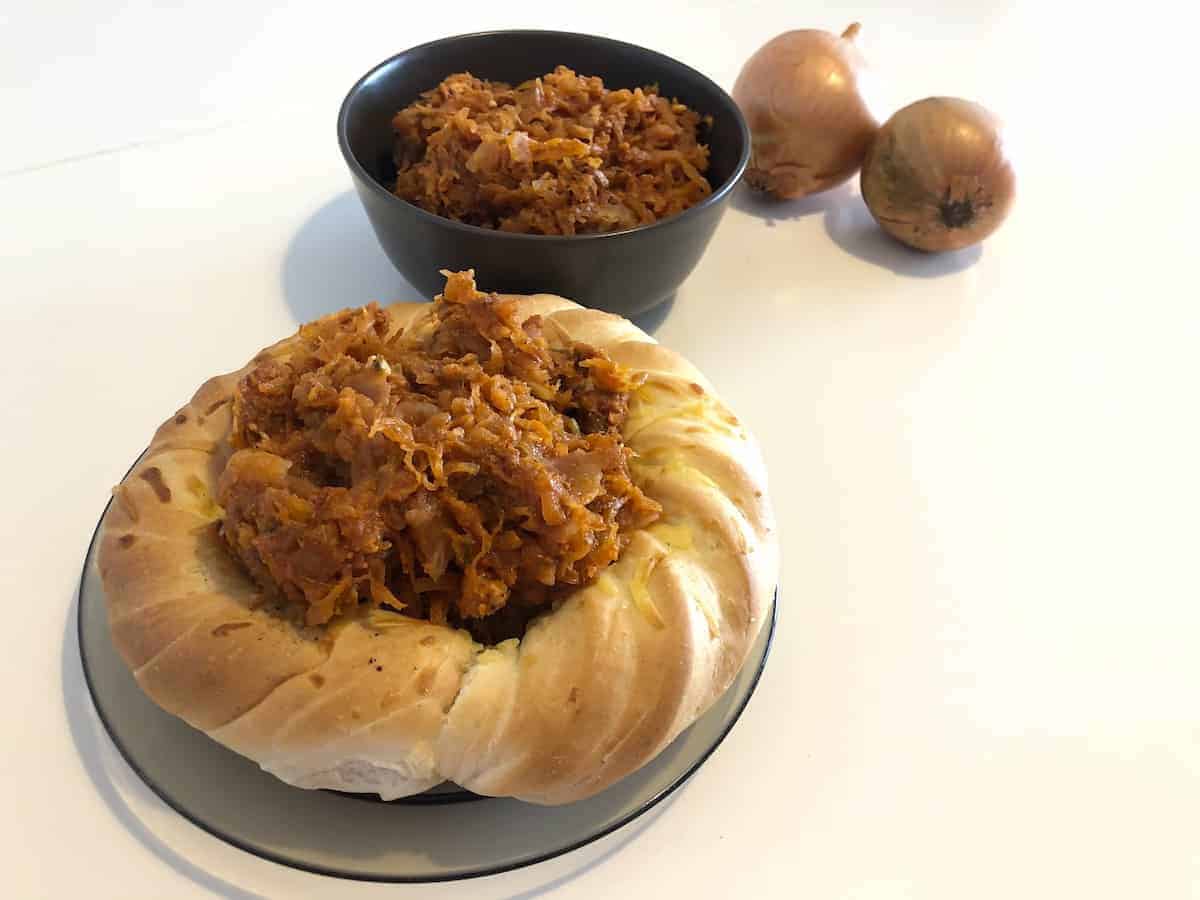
[(434, 836)]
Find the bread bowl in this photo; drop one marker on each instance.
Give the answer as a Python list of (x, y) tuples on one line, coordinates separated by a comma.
[(353, 695)]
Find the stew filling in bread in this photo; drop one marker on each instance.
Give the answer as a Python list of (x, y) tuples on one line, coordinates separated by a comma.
[(465, 476)]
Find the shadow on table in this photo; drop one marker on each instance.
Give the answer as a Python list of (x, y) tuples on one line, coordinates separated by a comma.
[(652, 319), (82, 722), (849, 224), (278, 829), (772, 211), (334, 261)]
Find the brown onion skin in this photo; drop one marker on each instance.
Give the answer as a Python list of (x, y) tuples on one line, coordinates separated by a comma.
[(937, 177), (809, 123)]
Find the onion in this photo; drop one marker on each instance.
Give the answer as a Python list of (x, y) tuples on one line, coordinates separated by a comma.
[(809, 123), (937, 177)]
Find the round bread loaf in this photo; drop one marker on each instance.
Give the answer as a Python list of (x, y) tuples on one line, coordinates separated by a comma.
[(381, 702)]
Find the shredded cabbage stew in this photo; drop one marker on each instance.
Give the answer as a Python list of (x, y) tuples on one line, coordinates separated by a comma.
[(560, 154), (467, 473)]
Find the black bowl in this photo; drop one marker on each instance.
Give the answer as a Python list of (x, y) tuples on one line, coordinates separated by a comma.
[(626, 272)]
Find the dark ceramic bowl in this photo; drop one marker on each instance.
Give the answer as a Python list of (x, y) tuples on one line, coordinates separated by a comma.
[(626, 272)]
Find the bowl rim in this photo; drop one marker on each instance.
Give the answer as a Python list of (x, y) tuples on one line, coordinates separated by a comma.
[(717, 196)]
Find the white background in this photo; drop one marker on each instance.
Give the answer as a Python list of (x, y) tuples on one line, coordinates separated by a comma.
[(985, 678)]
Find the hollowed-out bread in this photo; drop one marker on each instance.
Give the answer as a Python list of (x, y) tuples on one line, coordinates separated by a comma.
[(380, 702)]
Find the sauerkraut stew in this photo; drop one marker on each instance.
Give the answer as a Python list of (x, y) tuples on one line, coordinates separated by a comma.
[(466, 473), (559, 154)]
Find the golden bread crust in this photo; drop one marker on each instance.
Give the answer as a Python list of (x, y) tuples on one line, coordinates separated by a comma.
[(594, 690)]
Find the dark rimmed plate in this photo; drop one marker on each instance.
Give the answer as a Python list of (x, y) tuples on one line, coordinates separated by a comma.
[(434, 836)]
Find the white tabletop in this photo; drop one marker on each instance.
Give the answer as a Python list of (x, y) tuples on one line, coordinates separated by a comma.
[(984, 682)]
